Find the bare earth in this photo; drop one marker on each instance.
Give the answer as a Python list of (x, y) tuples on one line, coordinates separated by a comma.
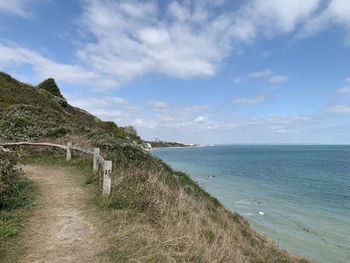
[(65, 226)]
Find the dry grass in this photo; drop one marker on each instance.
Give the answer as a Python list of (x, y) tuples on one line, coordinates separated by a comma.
[(153, 221)]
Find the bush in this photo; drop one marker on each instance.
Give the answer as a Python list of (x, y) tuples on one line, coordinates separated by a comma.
[(111, 127), (51, 86)]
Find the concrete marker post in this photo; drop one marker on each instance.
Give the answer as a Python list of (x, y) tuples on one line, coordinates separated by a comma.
[(107, 170), (69, 153), (95, 161)]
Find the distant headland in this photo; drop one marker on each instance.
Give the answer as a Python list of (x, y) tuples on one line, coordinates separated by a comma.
[(164, 144)]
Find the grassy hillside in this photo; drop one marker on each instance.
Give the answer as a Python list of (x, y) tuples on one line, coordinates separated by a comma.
[(156, 214)]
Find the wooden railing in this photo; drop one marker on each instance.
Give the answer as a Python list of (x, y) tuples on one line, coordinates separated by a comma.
[(98, 161)]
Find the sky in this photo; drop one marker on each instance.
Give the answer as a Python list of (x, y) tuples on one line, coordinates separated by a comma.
[(209, 72)]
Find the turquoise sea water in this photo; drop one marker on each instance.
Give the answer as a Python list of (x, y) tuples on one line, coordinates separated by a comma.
[(299, 196)]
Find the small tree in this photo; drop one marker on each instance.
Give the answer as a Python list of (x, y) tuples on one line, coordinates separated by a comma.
[(51, 86)]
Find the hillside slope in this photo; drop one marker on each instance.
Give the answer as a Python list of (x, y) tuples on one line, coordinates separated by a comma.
[(36, 113), (156, 214)]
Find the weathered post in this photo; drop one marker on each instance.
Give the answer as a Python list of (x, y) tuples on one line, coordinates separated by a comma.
[(107, 170), (95, 161), (69, 153)]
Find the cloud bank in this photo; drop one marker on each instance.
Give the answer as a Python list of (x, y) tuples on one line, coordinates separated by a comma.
[(120, 41)]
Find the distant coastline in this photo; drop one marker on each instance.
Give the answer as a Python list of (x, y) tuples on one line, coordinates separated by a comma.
[(164, 144)]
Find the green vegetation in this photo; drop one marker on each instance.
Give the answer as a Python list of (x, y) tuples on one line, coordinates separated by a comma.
[(12, 182), (37, 113), (15, 202), (155, 214), (50, 86)]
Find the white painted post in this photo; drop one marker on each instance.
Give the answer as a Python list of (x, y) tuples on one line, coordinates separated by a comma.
[(95, 161), (69, 153), (107, 170)]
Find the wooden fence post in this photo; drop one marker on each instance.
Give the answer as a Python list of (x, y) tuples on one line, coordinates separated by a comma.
[(107, 170), (95, 161), (69, 153)]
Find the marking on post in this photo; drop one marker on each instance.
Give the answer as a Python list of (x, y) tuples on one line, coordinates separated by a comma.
[(107, 170)]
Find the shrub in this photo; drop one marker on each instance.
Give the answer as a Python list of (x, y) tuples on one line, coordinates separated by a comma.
[(51, 86), (111, 127)]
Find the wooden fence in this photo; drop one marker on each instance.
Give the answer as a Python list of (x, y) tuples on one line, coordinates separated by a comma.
[(99, 164)]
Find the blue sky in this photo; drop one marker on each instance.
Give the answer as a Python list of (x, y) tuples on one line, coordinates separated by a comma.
[(255, 71)]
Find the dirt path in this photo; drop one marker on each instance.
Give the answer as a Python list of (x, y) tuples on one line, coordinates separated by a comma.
[(65, 226)]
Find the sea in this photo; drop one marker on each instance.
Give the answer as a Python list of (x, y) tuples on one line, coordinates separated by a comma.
[(297, 195)]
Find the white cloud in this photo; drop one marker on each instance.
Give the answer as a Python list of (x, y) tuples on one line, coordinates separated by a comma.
[(15, 7), (268, 74), (123, 40), (135, 38), (142, 123), (179, 38), (108, 114), (200, 120), (157, 105), (96, 102), (345, 89), (12, 55), (347, 80), (278, 79), (272, 17), (260, 74), (336, 12), (175, 118), (196, 119), (124, 112), (339, 109), (253, 100), (287, 13), (279, 124), (279, 129), (253, 75)]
